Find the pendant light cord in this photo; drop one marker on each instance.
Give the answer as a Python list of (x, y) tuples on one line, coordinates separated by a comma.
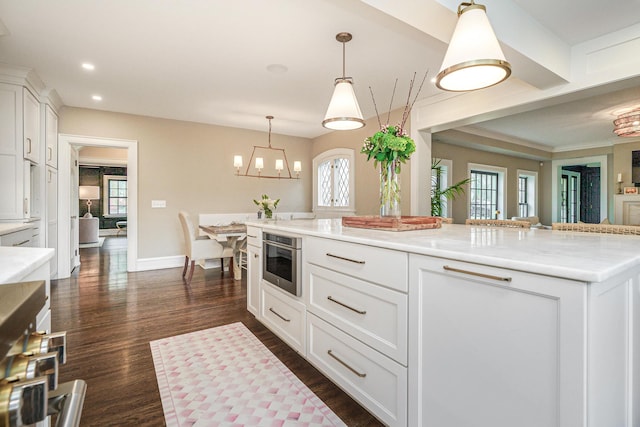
[(344, 73)]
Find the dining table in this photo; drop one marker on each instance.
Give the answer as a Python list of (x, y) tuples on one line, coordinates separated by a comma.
[(235, 235)]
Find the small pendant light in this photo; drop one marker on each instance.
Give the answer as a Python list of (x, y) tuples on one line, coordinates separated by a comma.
[(474, 59), (343, 112)]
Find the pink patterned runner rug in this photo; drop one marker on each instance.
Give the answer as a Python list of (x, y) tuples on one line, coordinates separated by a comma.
[(225, 376)]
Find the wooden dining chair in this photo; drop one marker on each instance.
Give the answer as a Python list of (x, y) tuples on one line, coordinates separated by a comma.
[(200, 247), (499, 223)]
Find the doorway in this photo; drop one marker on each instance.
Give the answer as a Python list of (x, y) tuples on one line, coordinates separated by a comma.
[(66, 245), (580, 190)]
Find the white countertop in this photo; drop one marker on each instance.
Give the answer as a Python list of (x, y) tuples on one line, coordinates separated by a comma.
[(589, 257), (10, 227), (18, 262)]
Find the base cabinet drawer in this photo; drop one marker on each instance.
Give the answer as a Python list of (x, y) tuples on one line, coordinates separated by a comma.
[(285, 316), (373, 314), (377, 382), (385, 267), (17, 238)]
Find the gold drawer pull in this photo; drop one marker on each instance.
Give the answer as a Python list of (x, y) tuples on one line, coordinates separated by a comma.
[(21, 243), (253, 237), (361, 375), (345, 259), (330, 298), (279, 315), (473, 273)]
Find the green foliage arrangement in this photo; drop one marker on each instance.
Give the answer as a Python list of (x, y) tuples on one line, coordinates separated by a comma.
[(449, 193), (388, 144), (391, 143)]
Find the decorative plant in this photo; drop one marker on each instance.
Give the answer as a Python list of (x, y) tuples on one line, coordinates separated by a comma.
[(267, 205), (391, 143), (437, 193), (390, 147)]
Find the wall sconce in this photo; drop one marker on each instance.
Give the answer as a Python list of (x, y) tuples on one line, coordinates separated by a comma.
[(88, 192), (259, 161)]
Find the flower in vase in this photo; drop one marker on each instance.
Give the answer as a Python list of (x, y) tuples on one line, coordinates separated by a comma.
[(267, 205), (389, 144)]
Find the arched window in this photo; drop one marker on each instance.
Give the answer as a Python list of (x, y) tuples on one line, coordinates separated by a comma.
[(334, 183)]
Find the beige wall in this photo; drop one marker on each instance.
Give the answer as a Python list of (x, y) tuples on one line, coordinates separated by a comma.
[(462, 156), (622, 162), (367, 177), (190, 165), (106, 155)]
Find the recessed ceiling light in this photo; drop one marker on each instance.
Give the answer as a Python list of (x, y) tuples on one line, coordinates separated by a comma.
[(88, 67), (96, 98), (277, 68)]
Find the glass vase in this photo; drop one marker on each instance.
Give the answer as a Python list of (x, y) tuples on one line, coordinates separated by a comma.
[(268, 213), (389, 190)]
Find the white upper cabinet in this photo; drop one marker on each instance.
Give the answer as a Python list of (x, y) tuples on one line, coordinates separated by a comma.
[(51, 137), (11, 155), (31, 127)]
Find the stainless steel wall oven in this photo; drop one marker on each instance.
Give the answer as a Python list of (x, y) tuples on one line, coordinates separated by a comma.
[(282, 265)]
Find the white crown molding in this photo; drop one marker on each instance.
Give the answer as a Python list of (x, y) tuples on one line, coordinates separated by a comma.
[(101, 161)]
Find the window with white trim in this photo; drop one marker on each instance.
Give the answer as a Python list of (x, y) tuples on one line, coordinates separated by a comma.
[(486, 192), (527, 193), (334, 181)]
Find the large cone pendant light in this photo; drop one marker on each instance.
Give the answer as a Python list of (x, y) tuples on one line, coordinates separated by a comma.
[(343, 112), (474, 59)]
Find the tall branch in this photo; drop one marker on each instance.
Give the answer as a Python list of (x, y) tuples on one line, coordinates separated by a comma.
[(375, 107), (393, 94)]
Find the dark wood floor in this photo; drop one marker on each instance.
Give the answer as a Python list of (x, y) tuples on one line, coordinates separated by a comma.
[(111, 315)]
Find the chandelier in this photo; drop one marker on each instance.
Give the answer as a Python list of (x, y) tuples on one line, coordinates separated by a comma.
[(273, 153), (628, 124)]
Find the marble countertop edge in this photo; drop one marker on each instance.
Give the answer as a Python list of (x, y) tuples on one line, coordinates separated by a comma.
[(17, 262), (584, 257)]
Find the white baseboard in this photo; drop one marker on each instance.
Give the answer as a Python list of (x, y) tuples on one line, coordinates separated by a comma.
[(159, 263)]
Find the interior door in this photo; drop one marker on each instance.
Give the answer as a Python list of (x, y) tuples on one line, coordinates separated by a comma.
[(569, 195), (73, 209)]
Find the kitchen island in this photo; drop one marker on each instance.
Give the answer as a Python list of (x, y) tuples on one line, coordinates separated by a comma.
[(24, 264), (466, 326)]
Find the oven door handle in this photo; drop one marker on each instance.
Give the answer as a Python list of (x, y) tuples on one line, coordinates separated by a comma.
[(279, 245)]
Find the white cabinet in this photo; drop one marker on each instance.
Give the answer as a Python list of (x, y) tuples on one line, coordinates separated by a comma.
[(284, 315), (31, 141), (494, 347), (382, 266), (17, 238), (356, 297), (52, 216), (11, 152), (374, 380), (254, 269), (51, 136), (254, 276), (373, 314)]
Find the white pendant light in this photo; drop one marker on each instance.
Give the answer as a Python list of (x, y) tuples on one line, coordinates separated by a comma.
[(474, 59), (343, 112)]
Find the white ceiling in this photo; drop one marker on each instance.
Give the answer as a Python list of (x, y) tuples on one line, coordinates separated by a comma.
[(209, 61)]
